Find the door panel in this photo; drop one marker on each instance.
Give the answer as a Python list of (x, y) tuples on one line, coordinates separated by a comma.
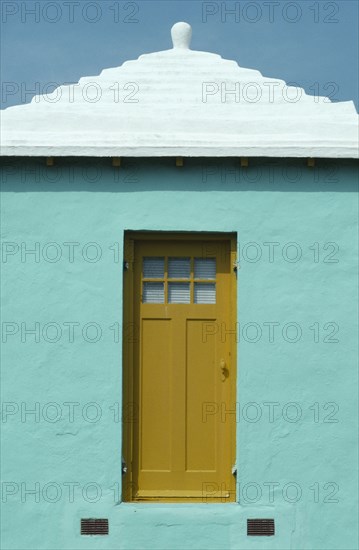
[(201, 438), (181, 371), (155, 384)]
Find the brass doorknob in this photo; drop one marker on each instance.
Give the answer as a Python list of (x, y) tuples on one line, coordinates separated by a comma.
[(222, 365)]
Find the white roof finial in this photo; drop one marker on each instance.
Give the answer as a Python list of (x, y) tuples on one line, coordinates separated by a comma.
[(181, 35)]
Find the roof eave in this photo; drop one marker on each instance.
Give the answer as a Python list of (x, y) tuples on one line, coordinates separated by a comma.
[(349, 151)]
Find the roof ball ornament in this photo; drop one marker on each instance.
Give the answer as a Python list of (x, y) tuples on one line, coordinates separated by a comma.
[(181, 35)]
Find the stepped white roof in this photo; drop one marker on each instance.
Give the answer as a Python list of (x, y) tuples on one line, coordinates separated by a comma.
[(180, 102)]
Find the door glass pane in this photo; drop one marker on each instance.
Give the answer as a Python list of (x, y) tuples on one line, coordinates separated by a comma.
[(178, 293), (153, 268), (153, 293), (204, 293), (179, 268), (205, 268)]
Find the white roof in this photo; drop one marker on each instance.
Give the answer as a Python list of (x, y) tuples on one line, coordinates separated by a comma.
[(180, 102)]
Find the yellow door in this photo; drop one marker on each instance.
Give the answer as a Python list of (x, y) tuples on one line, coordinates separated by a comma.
[(183, 371)]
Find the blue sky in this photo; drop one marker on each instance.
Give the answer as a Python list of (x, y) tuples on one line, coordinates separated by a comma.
[(311, 43)]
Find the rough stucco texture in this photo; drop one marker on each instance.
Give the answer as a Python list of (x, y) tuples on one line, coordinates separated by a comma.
[(297, 382)]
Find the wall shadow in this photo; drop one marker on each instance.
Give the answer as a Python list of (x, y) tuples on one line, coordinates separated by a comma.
[(24, 175)]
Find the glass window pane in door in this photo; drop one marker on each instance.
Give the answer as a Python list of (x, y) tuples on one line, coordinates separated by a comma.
[(179, 268), (179, 293), (153, 268), (205, 268), (153, 293), (204, 293)]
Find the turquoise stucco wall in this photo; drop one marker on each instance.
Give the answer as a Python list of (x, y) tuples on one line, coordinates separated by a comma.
[(296, 430)]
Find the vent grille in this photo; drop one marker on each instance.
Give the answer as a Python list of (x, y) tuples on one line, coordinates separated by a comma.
[(93, 526), (260, 527)]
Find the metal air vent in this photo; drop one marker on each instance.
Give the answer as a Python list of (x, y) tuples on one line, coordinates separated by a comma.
[(93, 526), (260, 527)]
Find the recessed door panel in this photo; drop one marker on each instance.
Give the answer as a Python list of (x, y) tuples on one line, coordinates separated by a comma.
[(201, 386), (154, 390)]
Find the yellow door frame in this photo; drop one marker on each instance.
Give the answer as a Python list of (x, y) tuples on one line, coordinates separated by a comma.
[(130, 336)]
